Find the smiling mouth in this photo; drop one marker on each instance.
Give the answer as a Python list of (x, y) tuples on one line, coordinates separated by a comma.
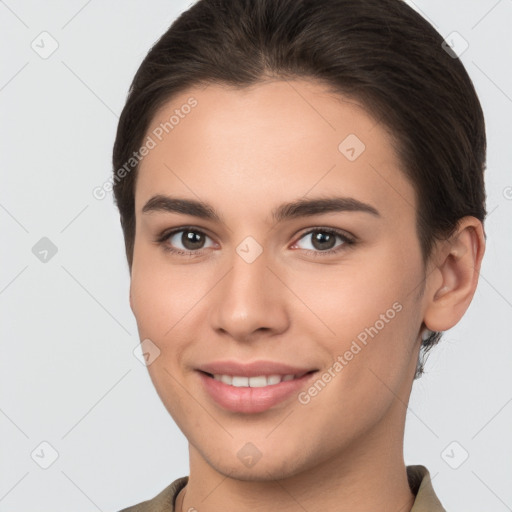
[(258, 381)]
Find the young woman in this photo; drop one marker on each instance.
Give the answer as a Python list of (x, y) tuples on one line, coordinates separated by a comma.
[(300, 185)]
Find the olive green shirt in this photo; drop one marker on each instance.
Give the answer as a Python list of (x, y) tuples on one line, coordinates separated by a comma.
[(418, 476)]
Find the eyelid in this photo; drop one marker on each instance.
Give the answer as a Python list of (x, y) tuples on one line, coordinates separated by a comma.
[(335, 231), (166, 233)]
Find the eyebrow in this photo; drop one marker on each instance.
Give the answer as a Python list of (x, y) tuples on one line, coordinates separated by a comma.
[(291, 210)]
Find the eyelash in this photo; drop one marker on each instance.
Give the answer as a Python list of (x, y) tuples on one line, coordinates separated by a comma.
[(347, 241)]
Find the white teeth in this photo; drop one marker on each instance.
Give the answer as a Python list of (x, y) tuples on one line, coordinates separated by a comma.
[(257, 382), (254, 382), (224, 378), (240, 382), (273, 379)]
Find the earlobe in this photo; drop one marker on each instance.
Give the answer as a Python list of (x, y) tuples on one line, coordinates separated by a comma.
[(454, 280)]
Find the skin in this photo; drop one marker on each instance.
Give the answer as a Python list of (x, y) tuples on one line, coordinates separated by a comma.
[(245, 152)]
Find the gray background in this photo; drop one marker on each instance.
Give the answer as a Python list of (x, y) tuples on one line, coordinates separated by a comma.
[(68, 372)]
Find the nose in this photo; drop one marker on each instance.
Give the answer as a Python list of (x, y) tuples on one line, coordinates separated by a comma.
[(250, 301)]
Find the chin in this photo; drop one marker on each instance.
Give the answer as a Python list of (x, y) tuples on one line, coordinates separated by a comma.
[(250, 464)]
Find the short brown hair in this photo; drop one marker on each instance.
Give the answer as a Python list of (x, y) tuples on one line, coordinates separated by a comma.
[(379, 52)]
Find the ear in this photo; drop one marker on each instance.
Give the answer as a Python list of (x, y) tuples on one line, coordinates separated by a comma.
[(452, 282)]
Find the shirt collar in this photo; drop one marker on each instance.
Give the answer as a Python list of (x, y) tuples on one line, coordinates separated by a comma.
[(418, 477), (421, 486)]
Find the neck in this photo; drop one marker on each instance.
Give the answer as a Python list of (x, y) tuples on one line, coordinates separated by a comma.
[(370, 474)]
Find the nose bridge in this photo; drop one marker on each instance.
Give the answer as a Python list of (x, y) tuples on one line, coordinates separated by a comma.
[(250, 296), (247, 286)]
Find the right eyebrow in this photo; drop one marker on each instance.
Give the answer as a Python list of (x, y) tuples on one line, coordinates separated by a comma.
[(161, 203)]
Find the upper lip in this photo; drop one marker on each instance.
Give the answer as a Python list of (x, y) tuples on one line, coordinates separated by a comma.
[(253, 369)]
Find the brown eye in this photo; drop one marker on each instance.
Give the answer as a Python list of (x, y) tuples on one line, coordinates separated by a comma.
[(192, 240), (185, 241), (322, 240)]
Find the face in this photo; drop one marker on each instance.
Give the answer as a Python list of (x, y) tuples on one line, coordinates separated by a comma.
[(327, 286)]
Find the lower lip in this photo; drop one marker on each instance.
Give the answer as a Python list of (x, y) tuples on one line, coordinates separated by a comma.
[(252, 400)]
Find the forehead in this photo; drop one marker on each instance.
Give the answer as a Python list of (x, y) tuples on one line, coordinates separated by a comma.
[(274, 139)]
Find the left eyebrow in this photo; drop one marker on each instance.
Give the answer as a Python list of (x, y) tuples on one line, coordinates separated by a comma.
[(318, 206)]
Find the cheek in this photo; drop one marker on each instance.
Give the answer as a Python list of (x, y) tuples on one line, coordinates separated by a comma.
[(160, 302), (350, 296), (366, 311), (161, 294), (148, 299)]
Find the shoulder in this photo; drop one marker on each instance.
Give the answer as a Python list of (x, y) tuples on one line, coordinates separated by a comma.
[(162, 502)]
